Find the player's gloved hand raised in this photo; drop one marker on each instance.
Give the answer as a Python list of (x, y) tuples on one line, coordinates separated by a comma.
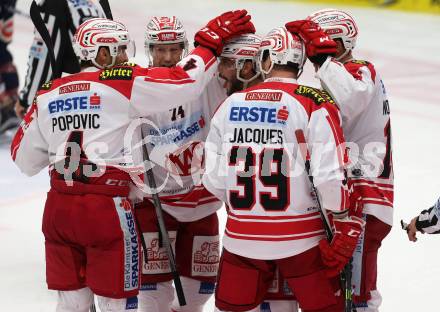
[(338, 253), (222, 28), (318, 44)]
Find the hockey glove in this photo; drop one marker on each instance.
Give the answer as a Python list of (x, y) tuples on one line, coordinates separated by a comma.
[(338, 253), (222, 28), (318, 44)]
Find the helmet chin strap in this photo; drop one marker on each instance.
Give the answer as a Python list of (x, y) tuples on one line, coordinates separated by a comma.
[(264, 73), (245, 81), (104, 66), (340, 57)]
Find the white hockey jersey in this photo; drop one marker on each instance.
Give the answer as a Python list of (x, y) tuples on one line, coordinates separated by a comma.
[(177, 138), (96, 107), (254, 166), (361, 96)]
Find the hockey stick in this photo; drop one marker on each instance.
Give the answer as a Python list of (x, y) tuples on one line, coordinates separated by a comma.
[(345, 275), (149, 175), (106, 7)]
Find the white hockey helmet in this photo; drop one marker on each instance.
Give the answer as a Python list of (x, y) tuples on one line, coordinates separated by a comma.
[(283, 48), (164, 30), (337, 24), (100, 32), (241, 49)]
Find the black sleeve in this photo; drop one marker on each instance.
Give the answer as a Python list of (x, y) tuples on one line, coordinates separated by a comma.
[(61, 17), (428, 220)]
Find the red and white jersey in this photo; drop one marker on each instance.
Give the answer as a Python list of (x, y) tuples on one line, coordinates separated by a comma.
[(95, 108), (361, 96), (254, 166), (177, 139)]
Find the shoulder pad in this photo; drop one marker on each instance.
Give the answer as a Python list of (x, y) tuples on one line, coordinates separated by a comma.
[(317, 96)]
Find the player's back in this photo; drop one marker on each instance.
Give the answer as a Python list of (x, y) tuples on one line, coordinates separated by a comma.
[(92, 105), (89, 111), (370, 131), (267, 189)]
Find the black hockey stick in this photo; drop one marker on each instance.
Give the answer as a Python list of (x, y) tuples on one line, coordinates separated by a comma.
[(106, 7), (39, 24), (345, 275), (149, 175)]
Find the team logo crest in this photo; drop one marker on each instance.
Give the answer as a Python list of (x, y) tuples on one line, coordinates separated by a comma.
[(186, 160)]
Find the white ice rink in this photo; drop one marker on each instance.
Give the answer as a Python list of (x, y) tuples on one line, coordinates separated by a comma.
[(406, 51)]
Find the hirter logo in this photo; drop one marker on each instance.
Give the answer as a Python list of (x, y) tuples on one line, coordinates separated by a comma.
[(95, 100), (283, 114)]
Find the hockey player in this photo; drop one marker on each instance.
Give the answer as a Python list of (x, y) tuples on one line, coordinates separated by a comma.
[(360, 93), (76, 125), (240, 71), (252, 165), (426, 222), (8, 72), (179, 134), (62, 18)]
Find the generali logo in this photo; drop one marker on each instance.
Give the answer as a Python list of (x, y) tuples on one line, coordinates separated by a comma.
[(76, 87), (264, 96)]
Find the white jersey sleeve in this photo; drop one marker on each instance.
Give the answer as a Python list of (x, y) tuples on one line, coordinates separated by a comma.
[(32, 143), (352, 93), (158, 89), (327, 150), (361, 95), (215, 156)]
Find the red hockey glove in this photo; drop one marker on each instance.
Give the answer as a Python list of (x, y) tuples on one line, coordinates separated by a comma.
[(222, 28), (318, 43), (338, 253)]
